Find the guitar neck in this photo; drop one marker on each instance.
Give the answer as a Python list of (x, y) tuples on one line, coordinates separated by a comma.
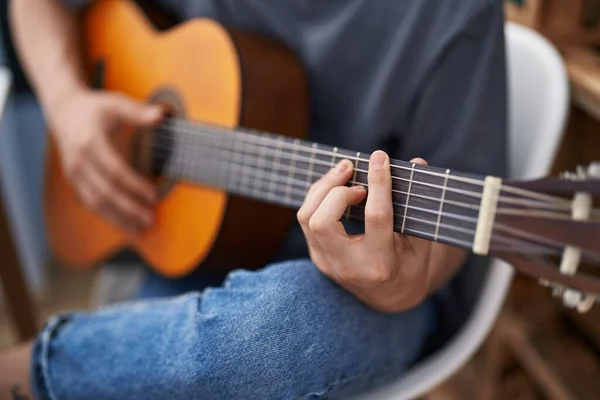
[(429, 202)]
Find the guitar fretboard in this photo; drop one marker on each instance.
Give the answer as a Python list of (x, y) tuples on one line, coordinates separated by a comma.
[(429, 202)]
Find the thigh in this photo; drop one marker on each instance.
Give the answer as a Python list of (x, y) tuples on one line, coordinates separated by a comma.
[(295, 325), (282, 332)]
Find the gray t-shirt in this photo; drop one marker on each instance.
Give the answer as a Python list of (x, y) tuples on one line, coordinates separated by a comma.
[(417, 78)]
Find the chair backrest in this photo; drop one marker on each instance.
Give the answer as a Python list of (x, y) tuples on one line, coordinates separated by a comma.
[(538, 106), (5, 81), (539, 97)]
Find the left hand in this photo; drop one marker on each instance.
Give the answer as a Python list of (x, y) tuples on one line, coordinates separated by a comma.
[(388, 271)]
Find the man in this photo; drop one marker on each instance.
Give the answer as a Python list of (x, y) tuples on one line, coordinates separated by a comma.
[(335, 314)]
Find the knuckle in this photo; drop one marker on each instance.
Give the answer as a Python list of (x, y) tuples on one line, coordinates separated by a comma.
[(317, 225), (314, 187), (375, 178), (378, 217), (303, 216), (347, 275), (339, 191), (380, 274)]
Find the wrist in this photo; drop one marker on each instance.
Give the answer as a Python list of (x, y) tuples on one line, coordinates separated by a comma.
[(54, 103), (54, 98)]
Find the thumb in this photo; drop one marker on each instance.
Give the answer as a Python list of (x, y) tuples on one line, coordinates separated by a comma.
[(137, 113)]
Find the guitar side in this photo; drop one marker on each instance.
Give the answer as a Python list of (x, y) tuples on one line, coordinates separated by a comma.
[(217, 76)]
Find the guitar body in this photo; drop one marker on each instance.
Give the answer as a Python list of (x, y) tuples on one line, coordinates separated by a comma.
[(201, 71)]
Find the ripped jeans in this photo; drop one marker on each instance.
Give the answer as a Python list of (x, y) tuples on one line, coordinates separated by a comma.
[(283, 332)]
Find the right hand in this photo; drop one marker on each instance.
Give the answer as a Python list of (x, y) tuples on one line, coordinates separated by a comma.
[(82, 124)]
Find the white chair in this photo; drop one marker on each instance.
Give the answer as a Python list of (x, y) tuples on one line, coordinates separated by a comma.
[(538, 106), (5, 81)]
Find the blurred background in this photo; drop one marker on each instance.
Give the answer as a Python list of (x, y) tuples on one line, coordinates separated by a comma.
[(536, 348)]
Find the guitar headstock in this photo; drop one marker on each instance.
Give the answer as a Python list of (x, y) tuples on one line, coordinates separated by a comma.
[(550, 229)]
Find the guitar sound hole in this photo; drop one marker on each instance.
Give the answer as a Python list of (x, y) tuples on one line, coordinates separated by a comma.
[(153, 148)]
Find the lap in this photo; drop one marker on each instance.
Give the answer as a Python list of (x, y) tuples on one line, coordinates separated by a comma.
[(285, 331)]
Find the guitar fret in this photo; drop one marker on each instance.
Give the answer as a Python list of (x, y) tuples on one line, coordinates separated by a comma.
[(244, 162), (310, 173), (353, 181), (260, 166), (276, 169), (441, 209), (214, 174), (271, 193), (292, 169), (333, 156), (412, 173), (220, 171)]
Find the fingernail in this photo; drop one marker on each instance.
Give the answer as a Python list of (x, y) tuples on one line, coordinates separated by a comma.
[(341, 166), (377, 159)]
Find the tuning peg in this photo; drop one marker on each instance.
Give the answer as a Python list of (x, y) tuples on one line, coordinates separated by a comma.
[(594, 170), (572, 299)]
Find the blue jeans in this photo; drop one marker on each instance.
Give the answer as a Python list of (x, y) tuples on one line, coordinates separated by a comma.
[(283, 332)]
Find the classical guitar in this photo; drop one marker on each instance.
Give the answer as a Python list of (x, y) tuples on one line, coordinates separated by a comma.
[(234, 163)]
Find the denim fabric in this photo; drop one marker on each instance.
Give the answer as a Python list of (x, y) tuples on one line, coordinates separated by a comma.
[(283, 332)]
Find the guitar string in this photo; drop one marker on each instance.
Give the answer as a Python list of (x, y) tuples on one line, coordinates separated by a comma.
[(253, 157), (474, 194), (300, 185), (250, 171), (513, 244), (247, 171), (247, 154), (589, 255), (218, 132), (265, 137), (527, 248)]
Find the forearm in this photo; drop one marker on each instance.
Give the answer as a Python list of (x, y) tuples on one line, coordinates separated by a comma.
[(14, 373), (444, 263), (47, 40)]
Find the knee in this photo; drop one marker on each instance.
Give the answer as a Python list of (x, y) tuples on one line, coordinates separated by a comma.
[(296, 332), (288, 333)]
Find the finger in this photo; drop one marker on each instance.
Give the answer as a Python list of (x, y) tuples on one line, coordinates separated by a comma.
[(120, 173), (91, 198), (418, 161), (325, 223), (111, 201), (379, 212), (337, 176), (135, 112)]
